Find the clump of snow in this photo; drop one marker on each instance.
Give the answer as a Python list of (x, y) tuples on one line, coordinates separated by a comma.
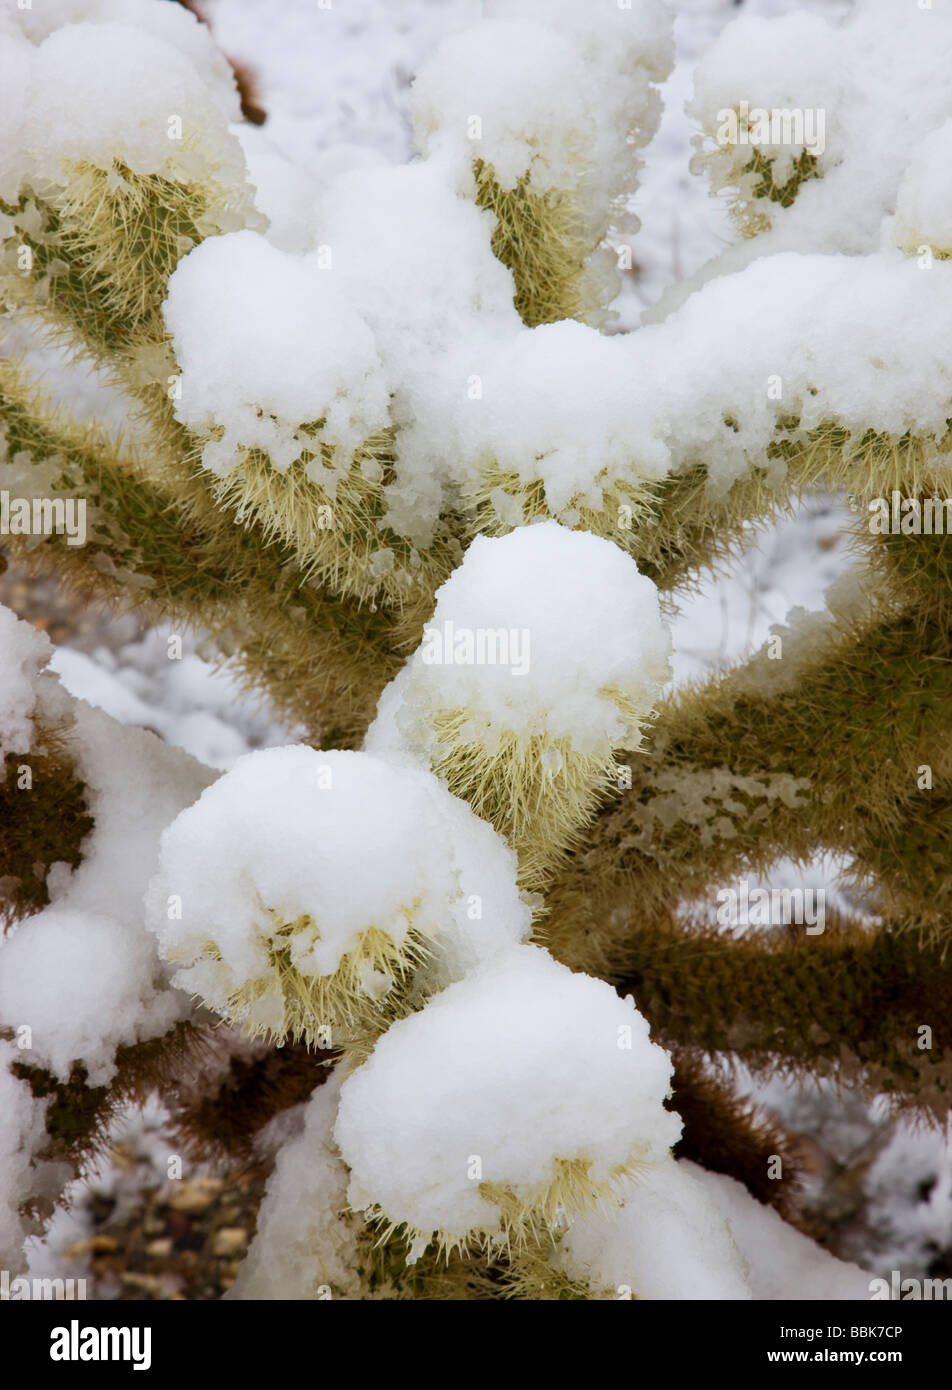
[(438, 272), (501, 1078), (163, 65), (621, 36), (547, 91), (285, 193), (304, 1245), (84, 974), (21, 1133), (555, 96), (924, 201), (542, 632), (173, 24), (336, 844), (667, 1240), (785, 63), (81, 983), (432, 301), (157, 114), (849, 339), (625, 50), (509, 92), (23, 653), (135, 786), (376, 339), (782, 1263), (684, 1233), (239, 310), (858, 76), (561, 404), (16, 65)]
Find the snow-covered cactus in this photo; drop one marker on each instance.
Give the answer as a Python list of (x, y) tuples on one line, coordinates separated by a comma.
[(576, 1104), (416, 495), (363, 886), (537, 113), (519, 721)]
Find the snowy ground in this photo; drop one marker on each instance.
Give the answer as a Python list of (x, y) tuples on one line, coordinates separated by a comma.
[(341, 73)]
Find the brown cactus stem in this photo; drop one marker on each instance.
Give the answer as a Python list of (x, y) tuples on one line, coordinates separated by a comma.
[(724, 1135), (821, 754), (43, 821), (870, 1007), (323, 661), (252, 1090), (78, 1114), (907, 871)]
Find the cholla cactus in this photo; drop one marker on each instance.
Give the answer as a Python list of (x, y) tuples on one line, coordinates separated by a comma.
[(356, 895), (432, 511), (522, 728), (566, 1117)]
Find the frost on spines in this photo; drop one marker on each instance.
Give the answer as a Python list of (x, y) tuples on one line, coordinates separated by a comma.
[(576, 1105), (544, 655), (317, 896)]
